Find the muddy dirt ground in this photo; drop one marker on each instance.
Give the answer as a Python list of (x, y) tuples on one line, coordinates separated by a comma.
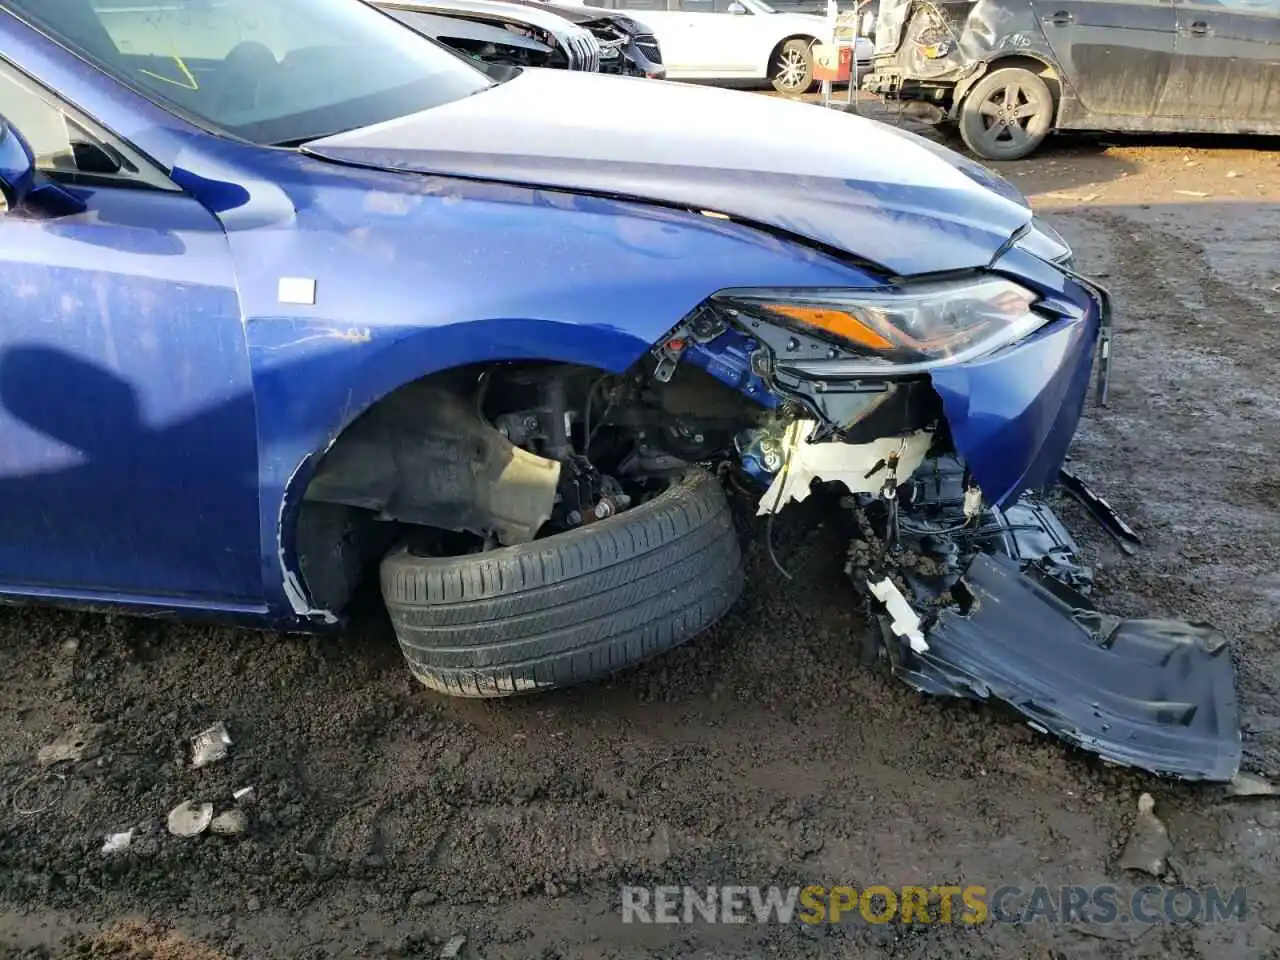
[(389, 820)]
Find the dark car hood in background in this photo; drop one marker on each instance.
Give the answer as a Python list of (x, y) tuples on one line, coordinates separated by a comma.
[(460, 27), (834, 179), (581, 15)]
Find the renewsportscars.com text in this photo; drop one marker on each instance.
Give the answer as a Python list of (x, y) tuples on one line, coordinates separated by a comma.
[(946, 904)]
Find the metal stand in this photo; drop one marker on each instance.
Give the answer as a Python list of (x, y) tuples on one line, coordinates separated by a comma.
[(851, 92), (828, 86), (851, 105), (833, 16)]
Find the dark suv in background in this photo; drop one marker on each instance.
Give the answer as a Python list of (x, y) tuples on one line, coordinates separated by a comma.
[(1009, 72)]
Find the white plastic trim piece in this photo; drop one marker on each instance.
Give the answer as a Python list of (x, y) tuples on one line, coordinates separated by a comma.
[(905, 622)]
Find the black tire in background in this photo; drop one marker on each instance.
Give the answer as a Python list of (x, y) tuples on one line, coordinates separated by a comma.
[(1007, 114), (572, 607)]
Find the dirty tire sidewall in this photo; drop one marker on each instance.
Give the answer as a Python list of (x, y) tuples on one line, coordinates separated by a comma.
[(572, 607), (792, 50), (1033, 94)]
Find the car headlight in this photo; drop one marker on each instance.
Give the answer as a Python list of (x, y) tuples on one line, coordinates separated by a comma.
[(1046, 243), (899, 331), (934, 49)]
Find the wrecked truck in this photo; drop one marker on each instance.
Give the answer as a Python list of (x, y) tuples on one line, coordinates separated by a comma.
[(270, 342)]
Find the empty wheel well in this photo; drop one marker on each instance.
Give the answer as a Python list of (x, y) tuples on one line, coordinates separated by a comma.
[(424, 455), (471, 458)]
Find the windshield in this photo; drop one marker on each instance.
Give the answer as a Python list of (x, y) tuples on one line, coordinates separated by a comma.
[(269, 71)]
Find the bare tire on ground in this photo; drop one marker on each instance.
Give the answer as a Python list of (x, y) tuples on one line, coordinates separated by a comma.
[(1007, 114), (792, 68), (572, 607)]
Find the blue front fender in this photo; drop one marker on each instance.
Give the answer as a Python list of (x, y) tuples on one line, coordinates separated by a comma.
[(416, 275)]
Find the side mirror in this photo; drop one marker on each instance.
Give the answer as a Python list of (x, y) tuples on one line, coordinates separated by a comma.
[(737, 9), (17, 168)]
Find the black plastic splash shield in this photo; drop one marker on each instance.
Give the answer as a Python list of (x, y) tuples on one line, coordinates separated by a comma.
[(1154, 694)]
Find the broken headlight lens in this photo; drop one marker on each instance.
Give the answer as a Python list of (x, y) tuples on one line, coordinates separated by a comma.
[(935, 50), (918, 326)]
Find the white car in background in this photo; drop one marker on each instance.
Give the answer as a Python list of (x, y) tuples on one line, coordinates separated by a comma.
[(734, 40)]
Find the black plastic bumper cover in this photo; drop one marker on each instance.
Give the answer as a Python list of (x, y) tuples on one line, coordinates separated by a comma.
[(1154, 694)]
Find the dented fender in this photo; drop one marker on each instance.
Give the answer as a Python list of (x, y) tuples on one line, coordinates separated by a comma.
[(1013, 413)]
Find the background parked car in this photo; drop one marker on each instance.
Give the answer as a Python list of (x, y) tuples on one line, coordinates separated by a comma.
[(819, 7), (732, 40), (627, 46), (1011, 71), (501, 33)]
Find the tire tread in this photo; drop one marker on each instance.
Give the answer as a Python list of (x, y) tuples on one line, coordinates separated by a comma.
[(570, 608)]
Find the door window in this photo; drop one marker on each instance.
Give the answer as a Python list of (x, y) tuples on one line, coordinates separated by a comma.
[(67, 147)]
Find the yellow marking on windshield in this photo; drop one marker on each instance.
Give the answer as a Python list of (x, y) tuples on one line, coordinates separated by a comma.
[(188, 83)]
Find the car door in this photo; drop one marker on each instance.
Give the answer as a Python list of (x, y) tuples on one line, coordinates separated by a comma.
[(128, 442), (1117, 55), (710, 41), (1227, 62)]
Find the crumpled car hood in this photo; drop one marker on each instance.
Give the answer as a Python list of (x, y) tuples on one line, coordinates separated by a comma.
[(840, 181)]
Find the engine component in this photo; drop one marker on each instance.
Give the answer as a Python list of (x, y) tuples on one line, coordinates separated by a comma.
[(584, 495), (760, 455), (520, 428), (558, 446)]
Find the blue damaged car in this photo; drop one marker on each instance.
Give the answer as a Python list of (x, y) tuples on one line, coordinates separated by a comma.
[(298, 302)]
